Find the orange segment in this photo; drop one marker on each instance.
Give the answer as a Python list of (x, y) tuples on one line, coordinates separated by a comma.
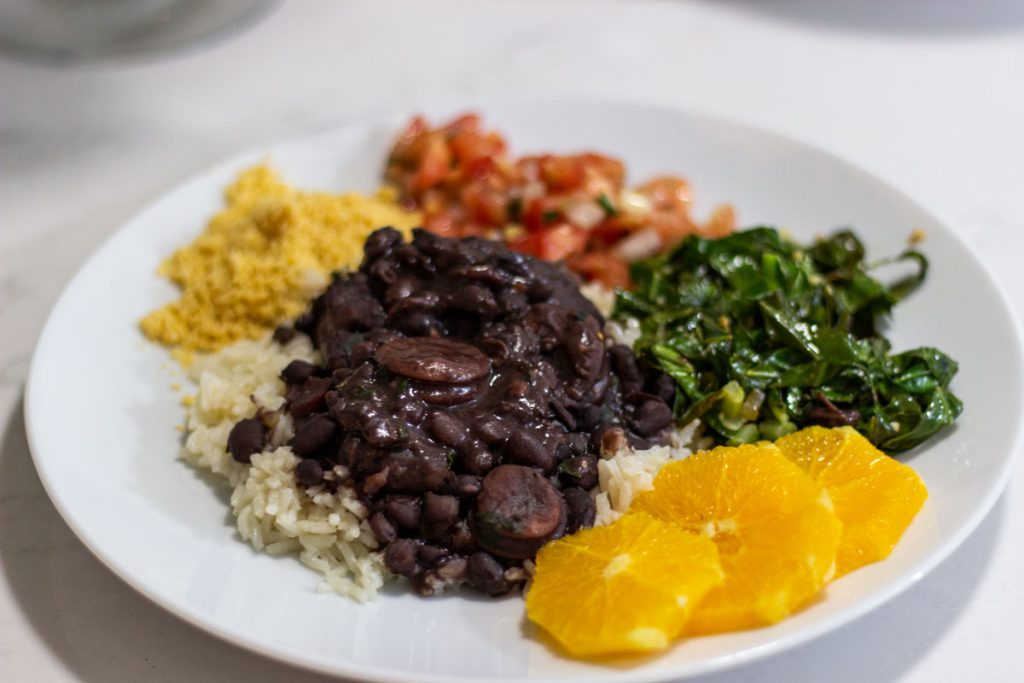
[(875, 497), (626, 588), (773, 525)]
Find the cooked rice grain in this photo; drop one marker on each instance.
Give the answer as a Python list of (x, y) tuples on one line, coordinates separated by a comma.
[(273, 513)]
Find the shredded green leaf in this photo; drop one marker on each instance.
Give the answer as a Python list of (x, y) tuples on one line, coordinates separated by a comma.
[(606, 204), (754, 312)]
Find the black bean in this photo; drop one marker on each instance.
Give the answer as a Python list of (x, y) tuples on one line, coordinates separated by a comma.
[(563, 414), (651, 417), (430, 554), (440, 509), (404, 511), (474, 299), (415, 323), (492, 430), (461, 538), (354, 308), (309, 396), (350, 451), (624, 363), (400, 556), (463, 486), (582, 341), (539, 291), (382, 273), (312, 435), (297, 372), (486, 574), (524, 448), (497, 349), (422, 467), (639, 443), (478, 459), (452, 568), (444, 394), (246, 439), (581, 509), (589, 418), (512, 302), (664, 387), (448, 429), (384, 431), (578, 443), (380, 242), (402, 288), (580, 471), (361, 352), (383, 530), (309, 472), (284, 334)]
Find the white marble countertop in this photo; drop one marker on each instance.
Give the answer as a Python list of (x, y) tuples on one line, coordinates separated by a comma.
[(929, 96)]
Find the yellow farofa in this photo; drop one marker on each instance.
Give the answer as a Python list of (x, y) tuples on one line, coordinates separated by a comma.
[(263, 257)]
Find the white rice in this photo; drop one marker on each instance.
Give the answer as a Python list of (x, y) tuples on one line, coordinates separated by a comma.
[(274, 514), (599, 295), (624, 474)]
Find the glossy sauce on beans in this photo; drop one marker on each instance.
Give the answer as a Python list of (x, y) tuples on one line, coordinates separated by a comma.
[(465, 393)]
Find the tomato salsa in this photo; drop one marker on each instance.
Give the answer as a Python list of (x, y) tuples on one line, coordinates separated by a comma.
[(575, 208)]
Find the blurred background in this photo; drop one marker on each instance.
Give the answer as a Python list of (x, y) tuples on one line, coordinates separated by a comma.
[(107, 104)]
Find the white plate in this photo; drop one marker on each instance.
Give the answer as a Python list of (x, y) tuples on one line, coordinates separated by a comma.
[(101, 415)]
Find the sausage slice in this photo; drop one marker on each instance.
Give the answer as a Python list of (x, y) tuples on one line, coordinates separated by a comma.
[(434, 359), (518, 510)]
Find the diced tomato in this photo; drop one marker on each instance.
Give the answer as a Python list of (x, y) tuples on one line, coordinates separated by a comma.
[(405, 140), (562, 174), (666, 193), (478, 169), (471, 146), (603, 267), (462, 123), (484, 205), (434, 164), (528, 243), (533, 214), (442, 224), (561, 241), (606, 233), (611, 169)]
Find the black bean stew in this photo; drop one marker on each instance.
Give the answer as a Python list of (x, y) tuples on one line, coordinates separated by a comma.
[(466, 393)]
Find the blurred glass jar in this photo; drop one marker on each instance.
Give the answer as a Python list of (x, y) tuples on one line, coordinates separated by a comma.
[(70, 31)]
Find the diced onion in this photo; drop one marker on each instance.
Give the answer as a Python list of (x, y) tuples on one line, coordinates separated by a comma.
[(639, 245), (634, 203), (585, 214)]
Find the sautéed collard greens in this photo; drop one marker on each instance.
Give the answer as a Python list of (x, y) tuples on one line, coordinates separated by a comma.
[(764, 336)]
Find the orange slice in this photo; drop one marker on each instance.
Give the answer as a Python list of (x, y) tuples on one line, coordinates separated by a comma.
[(875, 497), (626, 588), (773, 525)]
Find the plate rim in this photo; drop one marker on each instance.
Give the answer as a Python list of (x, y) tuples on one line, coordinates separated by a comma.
[(638, 674)]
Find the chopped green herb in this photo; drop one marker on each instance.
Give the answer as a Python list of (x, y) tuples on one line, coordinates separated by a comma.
[(514, 209), (550, 216), (753, 312), (606, 204)]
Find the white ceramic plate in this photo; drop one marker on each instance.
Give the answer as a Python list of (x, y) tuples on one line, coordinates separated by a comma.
[(101, 415)]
